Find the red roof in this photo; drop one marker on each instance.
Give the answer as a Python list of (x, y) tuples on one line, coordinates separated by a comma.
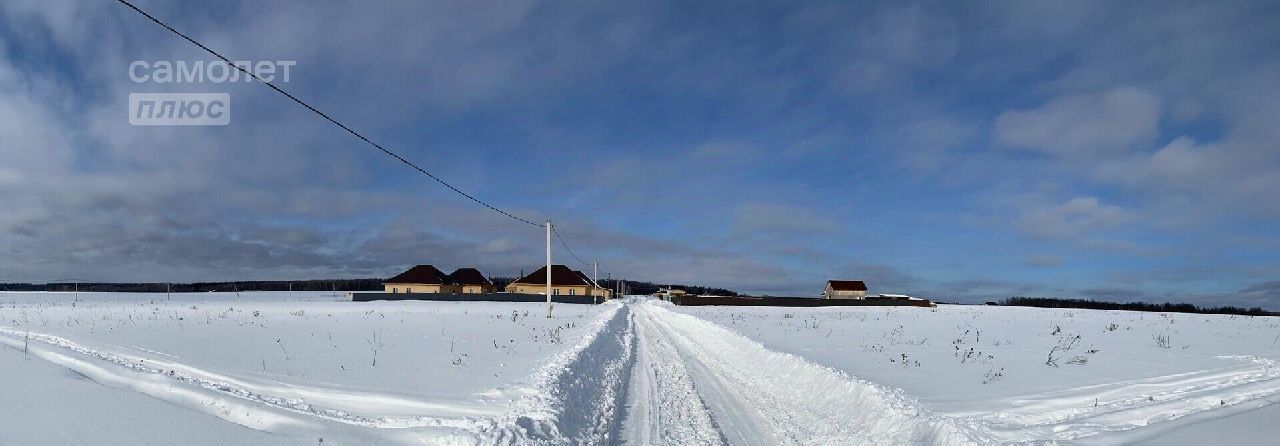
[(560, 276), (847, 285), (426, 274)]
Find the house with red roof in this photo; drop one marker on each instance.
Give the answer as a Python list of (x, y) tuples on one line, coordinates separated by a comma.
[(845, 289)]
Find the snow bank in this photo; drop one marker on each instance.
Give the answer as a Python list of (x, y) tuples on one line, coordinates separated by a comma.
[(576, 397)]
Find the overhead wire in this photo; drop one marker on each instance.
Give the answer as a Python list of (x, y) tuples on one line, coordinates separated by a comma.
[(326, 116), (566, 246), (348, 129)]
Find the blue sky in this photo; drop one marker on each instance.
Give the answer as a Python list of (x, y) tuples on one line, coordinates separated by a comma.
[(960, 151)]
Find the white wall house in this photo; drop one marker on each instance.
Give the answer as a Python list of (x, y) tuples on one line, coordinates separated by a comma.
[(845, 289)]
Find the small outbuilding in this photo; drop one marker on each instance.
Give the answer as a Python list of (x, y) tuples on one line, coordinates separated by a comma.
[(845, 289), (891, 297), (420, 279)]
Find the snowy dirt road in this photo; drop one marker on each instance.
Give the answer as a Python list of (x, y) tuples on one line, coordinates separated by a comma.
[(633, 372), (698, 382), (695, 382)]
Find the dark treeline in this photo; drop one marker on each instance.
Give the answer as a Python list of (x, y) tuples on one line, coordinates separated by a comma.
[(201, 287), (501, 282), (634, 286), (1053, 302), (639, 287)]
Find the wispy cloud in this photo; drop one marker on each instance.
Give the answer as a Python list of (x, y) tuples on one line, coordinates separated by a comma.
[(1083, 126)]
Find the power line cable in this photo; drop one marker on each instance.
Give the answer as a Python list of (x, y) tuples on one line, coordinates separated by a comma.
[(326, 117), (349, 129), (571, 253), (566, 246)]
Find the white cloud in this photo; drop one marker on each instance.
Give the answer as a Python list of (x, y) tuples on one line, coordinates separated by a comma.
[(1081, 126), (1236, 174), (1204, 179), (1078, 217)]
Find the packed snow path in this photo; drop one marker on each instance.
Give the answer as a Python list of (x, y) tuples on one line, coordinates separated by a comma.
[(695, 382)]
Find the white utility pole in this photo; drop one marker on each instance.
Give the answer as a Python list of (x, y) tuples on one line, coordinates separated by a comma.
[(548, 269), (167, 291), (595, 279)]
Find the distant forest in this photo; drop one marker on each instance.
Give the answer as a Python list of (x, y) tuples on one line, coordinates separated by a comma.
[(374, 284), (201, 287), (1052, 302), (636, 287)]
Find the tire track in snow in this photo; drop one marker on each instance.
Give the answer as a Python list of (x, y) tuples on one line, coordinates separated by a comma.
[(760, 396), (663, 405), (539, 416), (240, 412), (1121, 406), (145, 371)]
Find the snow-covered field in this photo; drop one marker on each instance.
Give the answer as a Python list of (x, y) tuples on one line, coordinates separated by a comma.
[(1115, 377), (311, 368), (305, 365)]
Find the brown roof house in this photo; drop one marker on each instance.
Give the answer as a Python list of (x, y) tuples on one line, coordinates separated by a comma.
[(845, 289), (471, 281), (564, 281), (420, 279)]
